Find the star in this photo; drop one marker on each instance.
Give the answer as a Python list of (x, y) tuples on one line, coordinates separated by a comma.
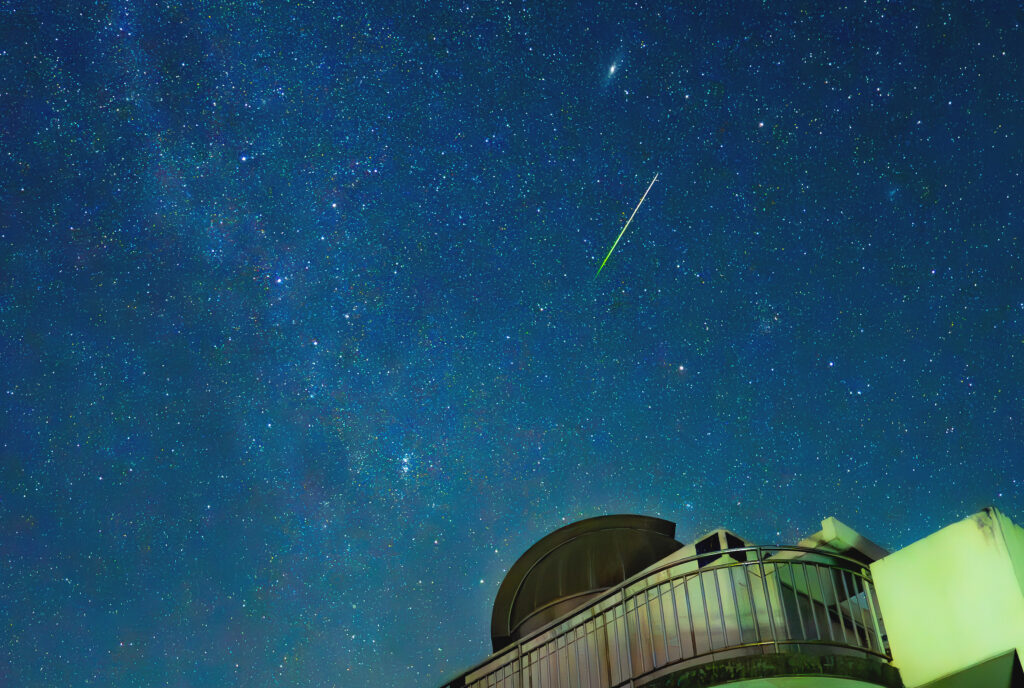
[(380, 349)]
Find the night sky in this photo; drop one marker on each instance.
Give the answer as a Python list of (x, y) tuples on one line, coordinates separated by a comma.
[(302, 344)]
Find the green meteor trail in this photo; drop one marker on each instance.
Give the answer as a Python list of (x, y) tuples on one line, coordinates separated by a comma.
[(626, 225)]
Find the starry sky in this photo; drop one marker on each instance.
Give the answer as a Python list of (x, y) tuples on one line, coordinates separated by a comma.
[(302, 343)]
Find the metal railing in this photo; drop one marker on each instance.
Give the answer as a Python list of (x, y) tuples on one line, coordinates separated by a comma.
[(748, 600)]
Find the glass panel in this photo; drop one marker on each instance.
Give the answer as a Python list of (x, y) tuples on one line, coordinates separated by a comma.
[(748, 609), (792, 600), (656, 616), (783, 627), (758, 590), (550, 667), (617, 635), (543, 671), (850, 606), (572, 649), (611, 648), (668, 606), (876, 615), (603, 661), (728, 625), (637, 663), (810, 598), (686, 632), (815, 601), (701, 616), (594, 653), (712, 603), (861, 607), (840, 619), (646, 630), (562, 662)]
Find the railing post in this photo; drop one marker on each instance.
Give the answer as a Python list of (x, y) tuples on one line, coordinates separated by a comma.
[(519, 664), (868, 584), (629, 644), (704, 604), (767, 599), (545, 670), (650, 628), (849, 603)]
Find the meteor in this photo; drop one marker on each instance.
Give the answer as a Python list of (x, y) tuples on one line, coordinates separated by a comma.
[(626, 225)]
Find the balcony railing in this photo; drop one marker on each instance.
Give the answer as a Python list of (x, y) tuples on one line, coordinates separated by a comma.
[(741, 601)]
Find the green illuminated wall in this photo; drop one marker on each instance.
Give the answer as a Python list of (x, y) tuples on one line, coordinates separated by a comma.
[(954, 599)]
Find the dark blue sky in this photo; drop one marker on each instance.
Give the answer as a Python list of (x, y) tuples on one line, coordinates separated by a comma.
[(303, 345)]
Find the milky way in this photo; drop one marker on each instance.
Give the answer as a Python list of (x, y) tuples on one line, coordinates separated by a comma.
[(302, 344)]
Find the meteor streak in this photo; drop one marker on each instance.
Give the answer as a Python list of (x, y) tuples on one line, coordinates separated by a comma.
[(626, 225)]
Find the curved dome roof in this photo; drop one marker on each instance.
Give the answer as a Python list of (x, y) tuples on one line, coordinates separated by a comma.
[(567, 568)]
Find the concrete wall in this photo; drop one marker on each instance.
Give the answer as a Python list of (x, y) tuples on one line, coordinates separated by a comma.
[(955, 598)]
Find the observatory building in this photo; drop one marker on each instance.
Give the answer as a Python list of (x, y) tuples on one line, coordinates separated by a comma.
[(617, 601)]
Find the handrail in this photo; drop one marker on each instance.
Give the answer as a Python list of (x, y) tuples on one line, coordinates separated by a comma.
[(772, 612)]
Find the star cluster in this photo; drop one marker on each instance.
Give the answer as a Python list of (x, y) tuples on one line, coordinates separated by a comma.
[(303, 344)]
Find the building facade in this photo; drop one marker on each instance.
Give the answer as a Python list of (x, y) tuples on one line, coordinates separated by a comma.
[(617, 601)]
